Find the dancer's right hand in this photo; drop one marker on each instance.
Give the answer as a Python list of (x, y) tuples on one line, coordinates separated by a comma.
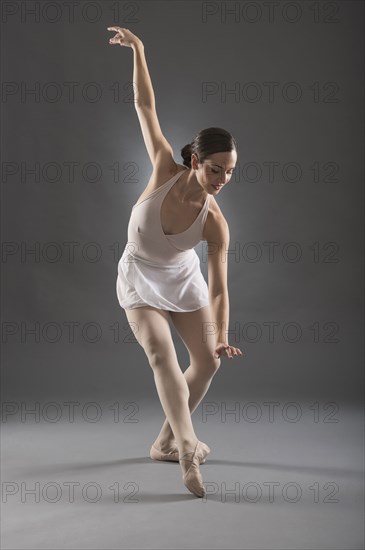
[(124, 37)]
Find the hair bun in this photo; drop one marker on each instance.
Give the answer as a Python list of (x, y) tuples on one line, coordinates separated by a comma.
[(186, 154)]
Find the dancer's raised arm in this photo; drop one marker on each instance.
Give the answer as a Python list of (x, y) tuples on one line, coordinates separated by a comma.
[(158, 148)]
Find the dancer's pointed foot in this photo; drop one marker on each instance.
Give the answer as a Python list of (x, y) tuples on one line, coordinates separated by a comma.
[(191, 474), (170, 452)]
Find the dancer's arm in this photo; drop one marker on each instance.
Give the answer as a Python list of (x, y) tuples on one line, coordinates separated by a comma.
[(157, 146), (218, 243), (217, 232)]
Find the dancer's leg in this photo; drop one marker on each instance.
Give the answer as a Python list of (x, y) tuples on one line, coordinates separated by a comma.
[(152, 331), (197, 332), (198, 386)]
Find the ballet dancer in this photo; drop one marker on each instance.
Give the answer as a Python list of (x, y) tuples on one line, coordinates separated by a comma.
[(159, 278)]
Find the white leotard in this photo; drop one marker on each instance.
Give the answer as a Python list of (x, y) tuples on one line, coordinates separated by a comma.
[(157, 269)]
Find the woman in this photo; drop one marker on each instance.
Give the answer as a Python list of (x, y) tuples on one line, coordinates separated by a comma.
[(159, 277)]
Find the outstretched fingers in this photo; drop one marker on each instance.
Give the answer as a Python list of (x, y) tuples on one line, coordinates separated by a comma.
[(232, 351)]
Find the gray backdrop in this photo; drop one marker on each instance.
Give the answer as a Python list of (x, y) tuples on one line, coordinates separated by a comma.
[(74, 163)]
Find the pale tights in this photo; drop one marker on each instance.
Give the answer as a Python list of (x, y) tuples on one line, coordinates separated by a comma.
[(180, 393)]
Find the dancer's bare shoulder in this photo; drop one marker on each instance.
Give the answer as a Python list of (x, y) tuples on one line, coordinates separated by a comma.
[(163, 170), (216, 230)]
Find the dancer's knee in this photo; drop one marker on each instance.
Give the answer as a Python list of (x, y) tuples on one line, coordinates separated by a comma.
[(157, 352), (207, 365), (214, 364)]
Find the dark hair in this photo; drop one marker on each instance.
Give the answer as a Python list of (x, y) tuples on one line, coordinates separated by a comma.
[(207, 142)]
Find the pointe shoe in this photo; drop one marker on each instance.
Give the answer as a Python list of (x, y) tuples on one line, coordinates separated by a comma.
[(192, 477), (173, 454)]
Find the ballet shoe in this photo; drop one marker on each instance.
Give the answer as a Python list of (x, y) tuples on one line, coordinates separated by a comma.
[(192, 477), (173, 454)]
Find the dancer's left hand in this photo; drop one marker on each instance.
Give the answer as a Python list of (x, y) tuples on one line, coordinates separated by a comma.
[(225, 349)]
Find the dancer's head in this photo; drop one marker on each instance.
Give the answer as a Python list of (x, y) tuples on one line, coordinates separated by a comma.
[(213, 156)]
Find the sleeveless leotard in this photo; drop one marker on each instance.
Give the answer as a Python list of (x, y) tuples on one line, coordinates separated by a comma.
[(157, 269)]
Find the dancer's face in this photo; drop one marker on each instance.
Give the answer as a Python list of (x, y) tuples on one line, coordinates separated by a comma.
[(216, 170)]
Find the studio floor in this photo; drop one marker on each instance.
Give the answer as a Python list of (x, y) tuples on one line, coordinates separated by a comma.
[(277, 482)]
